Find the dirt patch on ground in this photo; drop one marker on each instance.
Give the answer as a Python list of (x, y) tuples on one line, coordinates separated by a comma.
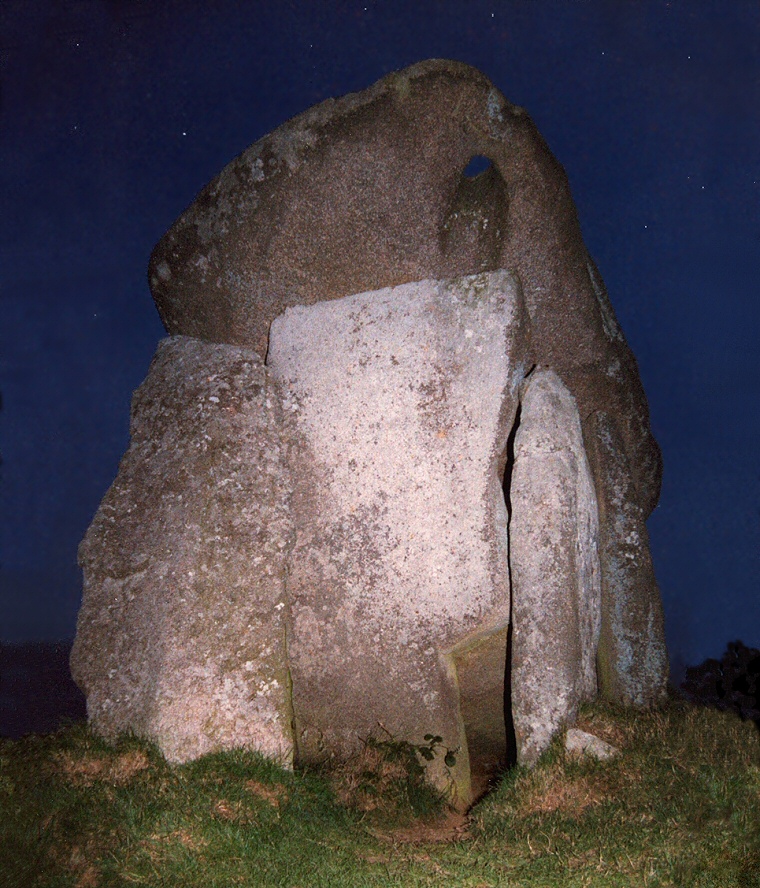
[(451, 827), (86, 770), (235, 812), (552, 790), (159, 846), (367, 781), (275, 793)]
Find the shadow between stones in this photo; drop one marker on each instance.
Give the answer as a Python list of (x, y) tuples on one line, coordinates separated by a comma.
[(485, 686), (506, 487)]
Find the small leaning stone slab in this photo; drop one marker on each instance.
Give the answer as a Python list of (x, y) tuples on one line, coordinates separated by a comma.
[(579, 742)]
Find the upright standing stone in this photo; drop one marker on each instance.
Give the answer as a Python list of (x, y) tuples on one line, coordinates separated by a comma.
[(554, 559), (181, 633), (403, 400), (633, 660)]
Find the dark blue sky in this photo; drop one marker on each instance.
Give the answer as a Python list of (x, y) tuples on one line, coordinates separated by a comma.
[(113, 115)]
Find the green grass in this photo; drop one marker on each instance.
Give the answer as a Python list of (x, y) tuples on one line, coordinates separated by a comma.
[(679, 806)]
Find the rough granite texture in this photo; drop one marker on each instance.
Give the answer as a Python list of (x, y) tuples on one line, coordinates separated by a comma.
[(633, 659), (369, 191), (403, 401), (554, 560), (353, 503), (578, 743), (181, 633)]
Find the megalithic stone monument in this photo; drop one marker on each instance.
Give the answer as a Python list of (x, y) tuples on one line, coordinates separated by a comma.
[(395, 425)]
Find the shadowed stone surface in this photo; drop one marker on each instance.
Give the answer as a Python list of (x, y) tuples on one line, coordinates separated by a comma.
[(181, 633), (633, 659), (554, 559), (403, 400)]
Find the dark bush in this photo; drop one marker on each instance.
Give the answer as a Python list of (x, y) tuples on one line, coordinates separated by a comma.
[(731, 683)]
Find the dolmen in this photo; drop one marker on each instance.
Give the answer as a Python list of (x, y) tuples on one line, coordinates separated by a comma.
[(389, 473)]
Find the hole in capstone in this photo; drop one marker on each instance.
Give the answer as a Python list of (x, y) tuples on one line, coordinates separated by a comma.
[(478, 164)]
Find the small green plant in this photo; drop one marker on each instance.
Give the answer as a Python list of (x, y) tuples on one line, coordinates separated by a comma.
[(428, 751), (388, 778)]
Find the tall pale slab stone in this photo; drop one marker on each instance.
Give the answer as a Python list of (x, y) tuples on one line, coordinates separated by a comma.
[(181, 633), (403, 400), (633, 659), (554, 560)]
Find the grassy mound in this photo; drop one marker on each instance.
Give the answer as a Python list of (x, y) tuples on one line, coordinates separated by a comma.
[(679, 806)]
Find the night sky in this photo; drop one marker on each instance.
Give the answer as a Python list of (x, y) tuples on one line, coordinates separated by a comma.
[(113, 115)]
